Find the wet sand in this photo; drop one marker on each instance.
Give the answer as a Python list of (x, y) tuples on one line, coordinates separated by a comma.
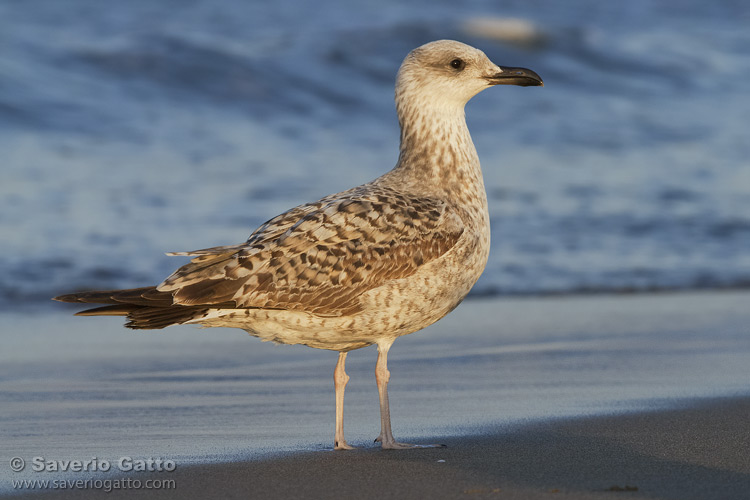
[(535, 397), (697, 452)]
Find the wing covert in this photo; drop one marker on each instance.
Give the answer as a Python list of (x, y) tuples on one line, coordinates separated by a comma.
[(320, 258)]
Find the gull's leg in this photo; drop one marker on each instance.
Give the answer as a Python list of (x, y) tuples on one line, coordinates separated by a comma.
[(382, 375), (340, 378)]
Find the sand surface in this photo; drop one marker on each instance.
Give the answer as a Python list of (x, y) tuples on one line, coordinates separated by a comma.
[(576, 394), (699, 452)]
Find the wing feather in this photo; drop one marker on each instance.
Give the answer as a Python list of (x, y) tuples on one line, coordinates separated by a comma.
[(321, 257)]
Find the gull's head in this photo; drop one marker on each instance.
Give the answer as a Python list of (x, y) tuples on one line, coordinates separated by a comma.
[(450, 73)]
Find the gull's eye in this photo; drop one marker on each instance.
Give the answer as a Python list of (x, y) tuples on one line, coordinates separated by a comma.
[(458, 64)]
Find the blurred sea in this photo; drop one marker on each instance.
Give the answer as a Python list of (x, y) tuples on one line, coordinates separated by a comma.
[(129, 129)]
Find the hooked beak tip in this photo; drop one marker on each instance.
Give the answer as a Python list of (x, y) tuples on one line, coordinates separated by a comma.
[(516, 76)]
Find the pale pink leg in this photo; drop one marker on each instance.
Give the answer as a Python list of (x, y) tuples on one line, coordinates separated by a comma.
[(382, 375), (340, 378)]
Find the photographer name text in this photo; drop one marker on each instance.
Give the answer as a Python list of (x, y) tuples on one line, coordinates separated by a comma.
[(94, 464)]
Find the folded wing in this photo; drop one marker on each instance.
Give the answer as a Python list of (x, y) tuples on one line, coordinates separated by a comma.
[(320, 258)]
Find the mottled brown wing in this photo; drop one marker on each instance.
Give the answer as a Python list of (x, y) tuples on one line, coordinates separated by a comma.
[(320, 258)]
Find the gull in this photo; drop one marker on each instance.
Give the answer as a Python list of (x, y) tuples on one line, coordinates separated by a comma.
[(363, 266)]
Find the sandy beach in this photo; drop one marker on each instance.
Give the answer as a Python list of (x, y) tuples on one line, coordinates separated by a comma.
[(696, 452), (547, 397)]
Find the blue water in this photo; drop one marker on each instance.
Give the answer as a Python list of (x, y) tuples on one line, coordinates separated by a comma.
[(129, 129)]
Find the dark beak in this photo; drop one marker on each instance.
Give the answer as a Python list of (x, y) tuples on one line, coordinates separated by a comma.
[(516, 76)]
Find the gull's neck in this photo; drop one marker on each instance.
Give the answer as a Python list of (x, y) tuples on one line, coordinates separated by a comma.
[(437, 154)]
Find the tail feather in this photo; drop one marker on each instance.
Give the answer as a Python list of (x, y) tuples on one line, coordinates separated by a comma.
[(149, 318), (145, 308), (145, 296), (119, 310)]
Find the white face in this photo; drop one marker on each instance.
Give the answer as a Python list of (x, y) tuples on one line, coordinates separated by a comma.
[(447, 70), (452, 73)]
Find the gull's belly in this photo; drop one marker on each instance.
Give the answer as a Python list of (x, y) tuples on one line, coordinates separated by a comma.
[(408, 305)]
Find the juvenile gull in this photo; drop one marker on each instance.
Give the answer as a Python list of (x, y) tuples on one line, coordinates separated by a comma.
[(359, 267)]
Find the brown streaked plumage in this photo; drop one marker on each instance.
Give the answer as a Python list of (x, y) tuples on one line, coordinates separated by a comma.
[(359, 267), (325, 259)]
